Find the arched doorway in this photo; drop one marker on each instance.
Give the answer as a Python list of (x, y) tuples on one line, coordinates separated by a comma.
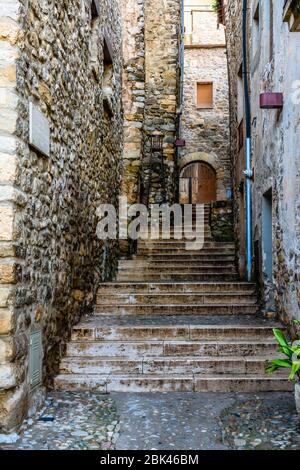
[(198, 184)]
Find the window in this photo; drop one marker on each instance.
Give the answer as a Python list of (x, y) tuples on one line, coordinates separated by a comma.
[(256, 30), (95, 9), (291, 14), (241, 134), (240, 94), (108, 73), (94, 43), (205, 95)]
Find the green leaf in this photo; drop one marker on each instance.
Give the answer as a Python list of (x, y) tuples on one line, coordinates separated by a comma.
[(297, 322), (271, 369), (295, 370), (280, 337), (278, 364), (282, 363), (288, 351)]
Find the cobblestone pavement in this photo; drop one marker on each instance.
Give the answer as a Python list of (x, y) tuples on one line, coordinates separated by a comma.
[(163, 421), (71, 421), (205, 421), (262, 424)]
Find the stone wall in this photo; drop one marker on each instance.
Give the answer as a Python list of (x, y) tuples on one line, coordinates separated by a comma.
[(276, 158), (274, 67), (221, 221), (162, 42), (51, 261), (151, 32), (133, 95), (206, 131), (233, 20)]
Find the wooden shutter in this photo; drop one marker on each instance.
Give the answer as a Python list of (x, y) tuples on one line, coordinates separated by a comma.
[(204, 95)]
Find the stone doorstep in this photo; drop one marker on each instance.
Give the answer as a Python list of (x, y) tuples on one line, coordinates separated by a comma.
[(174, 383), (181, 244), (176, 287), (175, 269), (177, 309), (164, 332), (185, 265), (188, 256), (170, 259), (172, 298), (177, 277), (165, 270), (146, 252), (167, 365), (173, 262), (138, 349)]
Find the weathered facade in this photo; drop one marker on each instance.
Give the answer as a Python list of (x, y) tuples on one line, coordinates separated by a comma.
[(273, 47), (205, 127), (233, 22), (151, 43), (62, 60)]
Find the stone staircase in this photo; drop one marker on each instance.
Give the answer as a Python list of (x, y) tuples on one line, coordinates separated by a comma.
[(174, 320)]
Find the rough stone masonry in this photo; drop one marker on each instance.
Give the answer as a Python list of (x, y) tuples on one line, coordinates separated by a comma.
[(65, 58), (151, 77)]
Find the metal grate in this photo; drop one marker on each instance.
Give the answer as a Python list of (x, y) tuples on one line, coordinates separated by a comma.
[(35, 359)]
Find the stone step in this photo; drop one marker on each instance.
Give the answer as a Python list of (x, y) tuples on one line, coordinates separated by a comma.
[(166, 365), (177, 309), (172, 243), (171, 299), (172, 383), (142, 262), (186, 268), (175, 251), (138, 349), (242, 383), (189, 256), (176, 287), (178, 231), (176, 276), (96, 331)]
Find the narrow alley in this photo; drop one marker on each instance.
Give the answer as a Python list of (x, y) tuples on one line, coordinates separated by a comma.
[(149, 225)]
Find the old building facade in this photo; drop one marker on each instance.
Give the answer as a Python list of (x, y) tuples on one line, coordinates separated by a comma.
[(273, 56), (60, 77), (66, 148), (205, 113), (152, 73), (108, 98)]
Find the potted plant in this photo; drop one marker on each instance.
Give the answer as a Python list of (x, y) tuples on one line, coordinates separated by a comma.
[(292, 361)]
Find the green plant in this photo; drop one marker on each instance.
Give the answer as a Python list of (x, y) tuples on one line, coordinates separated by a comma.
[(216, 5), (291, 351)]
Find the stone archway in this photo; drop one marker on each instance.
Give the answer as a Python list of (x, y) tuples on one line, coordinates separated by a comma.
[(197, 184), (212, 160)]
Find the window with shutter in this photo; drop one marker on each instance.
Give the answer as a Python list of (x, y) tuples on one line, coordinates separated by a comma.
[(205, 95)]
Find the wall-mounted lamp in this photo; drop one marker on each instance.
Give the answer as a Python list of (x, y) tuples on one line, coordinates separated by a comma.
[(180, 143), (271, 100)]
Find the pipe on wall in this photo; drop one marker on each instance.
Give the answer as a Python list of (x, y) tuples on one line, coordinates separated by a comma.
[(248, 171)]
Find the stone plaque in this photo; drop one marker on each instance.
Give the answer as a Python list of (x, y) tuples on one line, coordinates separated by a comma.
[(39, 130)]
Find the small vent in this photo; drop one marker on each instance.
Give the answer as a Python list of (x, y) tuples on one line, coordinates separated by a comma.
[(35, 359)]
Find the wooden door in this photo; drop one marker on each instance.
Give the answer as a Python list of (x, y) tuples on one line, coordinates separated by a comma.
[(200, 178)]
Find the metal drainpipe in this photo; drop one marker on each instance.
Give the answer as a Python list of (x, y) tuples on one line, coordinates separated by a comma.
[(180, 98), (248, 172), (182, 51)]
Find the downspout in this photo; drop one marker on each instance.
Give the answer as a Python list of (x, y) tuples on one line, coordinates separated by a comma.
[(182, 52), (248, 171), (181, 91)]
